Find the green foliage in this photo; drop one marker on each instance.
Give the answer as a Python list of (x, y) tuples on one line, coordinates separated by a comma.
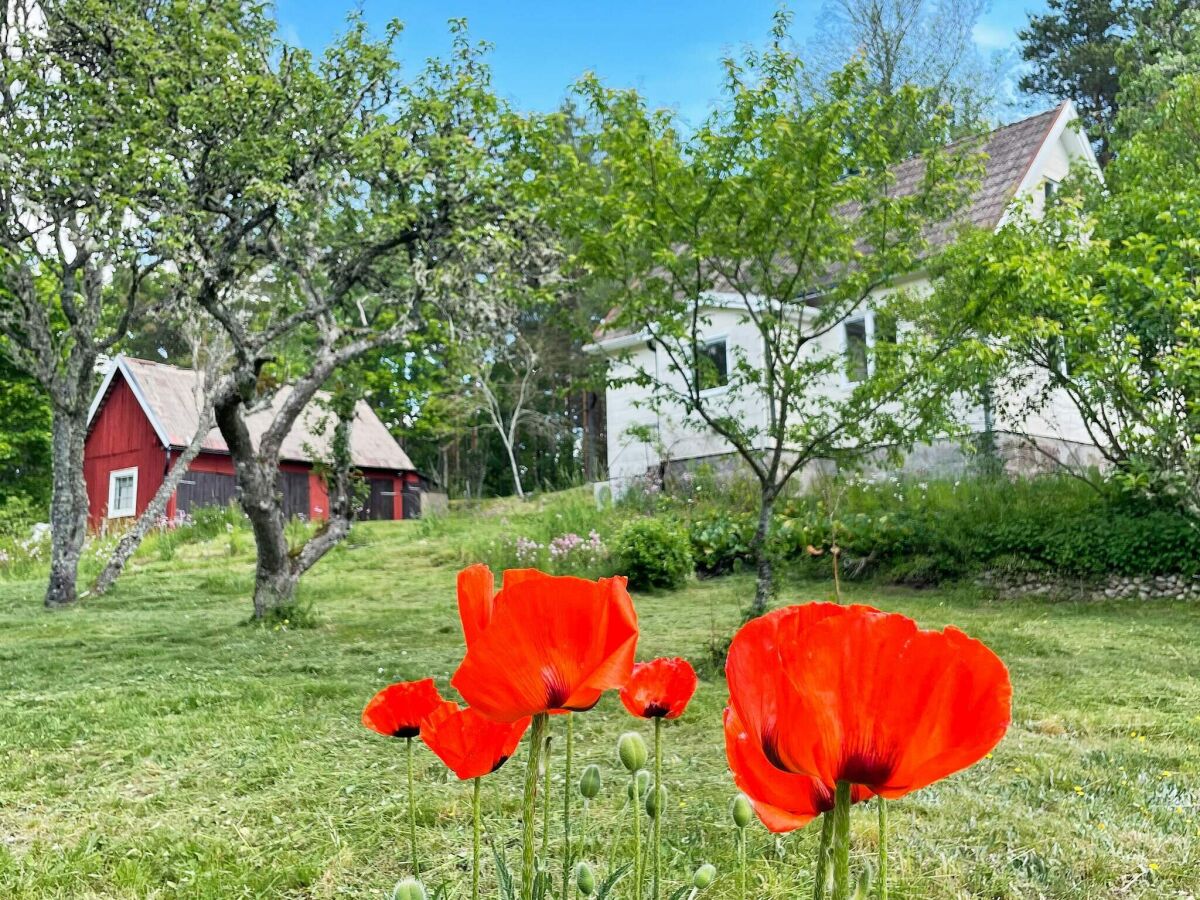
[(721, 541), (653, 553), (922, 533), (24, 443)]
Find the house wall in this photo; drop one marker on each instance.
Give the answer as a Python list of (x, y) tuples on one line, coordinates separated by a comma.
[(121, 438)]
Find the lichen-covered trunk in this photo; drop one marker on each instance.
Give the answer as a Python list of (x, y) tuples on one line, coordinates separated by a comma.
[(278, 569), (764, 584), (275, 576), (258, 493), (68, 505)]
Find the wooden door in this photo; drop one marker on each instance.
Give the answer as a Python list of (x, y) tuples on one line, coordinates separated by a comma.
[(204, 489), (411, 501), (379, 502), (294, 487)]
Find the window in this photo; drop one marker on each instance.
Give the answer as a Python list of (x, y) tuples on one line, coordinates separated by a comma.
[(122, 493), (1049, 189), (856, 350), (712, 365)]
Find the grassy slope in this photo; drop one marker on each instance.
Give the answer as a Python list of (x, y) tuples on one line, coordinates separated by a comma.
[(155, 747)]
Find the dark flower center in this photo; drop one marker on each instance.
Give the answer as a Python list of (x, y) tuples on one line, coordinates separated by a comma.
[(501, 761), (867, 767), (407, 731), (655, 710), (557, 689)]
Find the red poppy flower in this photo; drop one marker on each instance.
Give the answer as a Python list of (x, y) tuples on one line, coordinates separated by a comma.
[(848, 693), (543, 643), (399, 709), (783, 801), (660, 689), (471, 745)]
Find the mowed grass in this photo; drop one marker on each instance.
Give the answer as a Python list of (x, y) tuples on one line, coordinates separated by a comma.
[(156, 746)]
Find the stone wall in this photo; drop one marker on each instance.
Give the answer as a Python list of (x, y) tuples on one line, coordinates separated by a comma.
[(1115, 587)]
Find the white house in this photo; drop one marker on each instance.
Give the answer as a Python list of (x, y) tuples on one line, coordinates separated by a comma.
[(1027, 160)]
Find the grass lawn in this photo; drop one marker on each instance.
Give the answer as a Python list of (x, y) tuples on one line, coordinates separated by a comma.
[(155, 746)]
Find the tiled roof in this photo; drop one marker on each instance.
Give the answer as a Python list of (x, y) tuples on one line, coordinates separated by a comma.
[(1008, 153), (169, 392)]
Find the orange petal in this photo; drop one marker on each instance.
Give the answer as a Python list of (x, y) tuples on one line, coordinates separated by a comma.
[(476, 595)]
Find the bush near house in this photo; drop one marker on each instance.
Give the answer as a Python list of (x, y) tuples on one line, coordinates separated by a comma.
[(927, 532), (654, 553)]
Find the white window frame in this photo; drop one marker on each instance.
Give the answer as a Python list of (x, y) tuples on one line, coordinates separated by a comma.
[(112, 490), (709, 342)]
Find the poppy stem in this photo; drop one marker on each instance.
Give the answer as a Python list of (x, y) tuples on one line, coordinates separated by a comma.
[(741, 848), (475, 844), (412, 812), (658, 805), (883, 861), (546, 800), (567, 790), (637, 838), (841, 841), (536, 737), (822, 873)]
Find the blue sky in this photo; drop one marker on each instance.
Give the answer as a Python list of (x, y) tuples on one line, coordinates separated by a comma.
[(668, 49)]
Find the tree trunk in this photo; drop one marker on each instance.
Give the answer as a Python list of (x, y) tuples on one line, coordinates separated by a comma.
[(68, 505), (765, 581), (274, 577), (516, 469), (132, 539), (278, 570), (258, 493)]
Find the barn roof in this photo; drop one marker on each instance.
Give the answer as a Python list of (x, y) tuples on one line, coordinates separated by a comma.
[(167, 395), (1008, 153)]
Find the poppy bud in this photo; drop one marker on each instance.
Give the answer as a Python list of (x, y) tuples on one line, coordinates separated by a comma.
[(643, 785), (862, 890), (408, 889), (741, 810), (704, 876), (655, 801), (632, 750), (589, 783), (584, 879)]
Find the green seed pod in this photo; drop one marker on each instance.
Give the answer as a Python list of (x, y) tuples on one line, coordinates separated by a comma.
[(589, 782), (632, 750), (656, 801), (584, 879), (741, 810), (643, 786), (704, 876), (408, 889)]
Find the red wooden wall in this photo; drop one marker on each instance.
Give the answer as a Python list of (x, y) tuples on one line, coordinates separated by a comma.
[(121, 438)]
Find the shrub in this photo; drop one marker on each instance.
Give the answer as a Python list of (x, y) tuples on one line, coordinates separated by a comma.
[(924, 532), (654, 553), (721, 542)]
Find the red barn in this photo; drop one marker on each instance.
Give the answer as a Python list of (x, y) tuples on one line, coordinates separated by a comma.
[(145, 413)]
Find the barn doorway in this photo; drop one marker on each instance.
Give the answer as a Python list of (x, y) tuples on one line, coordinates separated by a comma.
[(294, 488), (200, 489), (380, 502)]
